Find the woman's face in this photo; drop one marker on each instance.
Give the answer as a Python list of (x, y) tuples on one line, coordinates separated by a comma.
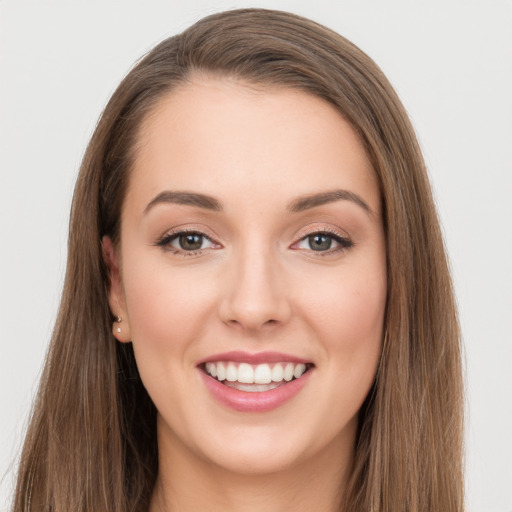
[(252, 275)]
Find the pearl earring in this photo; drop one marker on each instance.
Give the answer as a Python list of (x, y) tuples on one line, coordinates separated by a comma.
[(118, 320)]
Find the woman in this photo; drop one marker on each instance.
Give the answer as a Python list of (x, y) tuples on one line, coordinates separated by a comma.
[(257, 312)]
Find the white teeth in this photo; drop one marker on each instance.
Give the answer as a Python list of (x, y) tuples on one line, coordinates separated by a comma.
[(277, 373), (231, 373), (288, 371), (245, 373), (299, 370), (211, 368), (262, 374), (221, 372), (261, 377)]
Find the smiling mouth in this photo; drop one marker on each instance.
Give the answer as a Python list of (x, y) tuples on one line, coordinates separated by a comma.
[(255, 377)]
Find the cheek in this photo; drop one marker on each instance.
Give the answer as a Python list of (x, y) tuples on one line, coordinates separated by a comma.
[(348, 320), (168, 311), (349, 310), (167, 307), (360, 313), (352, 336)]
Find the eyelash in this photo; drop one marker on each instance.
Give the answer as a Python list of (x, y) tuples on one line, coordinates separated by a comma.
[(344, 243), (165, 242)]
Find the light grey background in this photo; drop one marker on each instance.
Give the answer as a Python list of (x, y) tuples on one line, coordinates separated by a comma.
[(451, 63)]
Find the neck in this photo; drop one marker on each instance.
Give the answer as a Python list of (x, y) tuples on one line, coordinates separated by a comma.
[(187, 482)]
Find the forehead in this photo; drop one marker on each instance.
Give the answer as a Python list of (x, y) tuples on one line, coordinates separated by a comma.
[(222, 137)]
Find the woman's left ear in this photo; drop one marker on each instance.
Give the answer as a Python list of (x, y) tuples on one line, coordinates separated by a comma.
[(120, 326)]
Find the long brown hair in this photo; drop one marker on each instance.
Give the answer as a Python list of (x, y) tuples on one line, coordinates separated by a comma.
[(91, 444)]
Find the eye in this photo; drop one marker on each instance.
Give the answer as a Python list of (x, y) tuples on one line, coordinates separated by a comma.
[(186, 241), (322, 241)]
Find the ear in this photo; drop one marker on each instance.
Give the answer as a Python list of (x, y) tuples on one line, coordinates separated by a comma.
[(121, 325)]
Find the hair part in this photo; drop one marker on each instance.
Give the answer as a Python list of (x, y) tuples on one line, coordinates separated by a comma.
[(91, 444)]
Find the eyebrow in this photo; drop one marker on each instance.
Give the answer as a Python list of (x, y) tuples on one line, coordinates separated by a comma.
[(296, 206), (311, 201), (185, 198)]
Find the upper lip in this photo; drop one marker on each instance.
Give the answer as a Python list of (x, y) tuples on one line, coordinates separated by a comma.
[(239, 356)]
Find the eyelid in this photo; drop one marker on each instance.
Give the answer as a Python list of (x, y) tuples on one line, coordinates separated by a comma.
[(164, 241), (343, 240)]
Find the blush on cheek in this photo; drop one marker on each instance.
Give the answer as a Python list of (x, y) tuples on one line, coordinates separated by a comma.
[(167, 308), (365, 321), (356, 332), (356, 310)]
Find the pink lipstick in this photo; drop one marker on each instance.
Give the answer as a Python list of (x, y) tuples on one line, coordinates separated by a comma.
[(257, 382)]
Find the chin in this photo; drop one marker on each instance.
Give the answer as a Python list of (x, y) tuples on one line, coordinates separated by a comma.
[(257, 460), (260, 449)]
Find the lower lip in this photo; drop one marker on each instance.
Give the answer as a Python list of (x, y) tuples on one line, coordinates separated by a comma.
[(263, 401)]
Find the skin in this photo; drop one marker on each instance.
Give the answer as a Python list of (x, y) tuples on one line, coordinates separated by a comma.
[(255, 285)]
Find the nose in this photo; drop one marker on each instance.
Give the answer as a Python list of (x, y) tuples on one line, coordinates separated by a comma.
[(255, 295)]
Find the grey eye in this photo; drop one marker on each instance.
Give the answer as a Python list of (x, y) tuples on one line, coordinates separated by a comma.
[(323, 241), (319, 242), (186, 242)]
